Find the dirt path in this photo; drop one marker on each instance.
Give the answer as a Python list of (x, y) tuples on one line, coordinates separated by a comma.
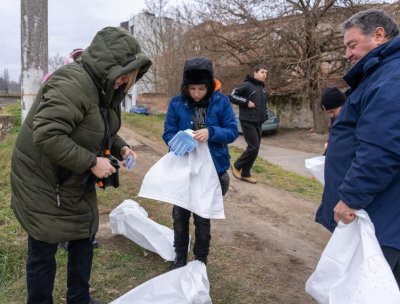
[(271, 237), (277, 231)]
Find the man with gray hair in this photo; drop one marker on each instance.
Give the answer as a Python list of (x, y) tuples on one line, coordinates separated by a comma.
[(362, 167)]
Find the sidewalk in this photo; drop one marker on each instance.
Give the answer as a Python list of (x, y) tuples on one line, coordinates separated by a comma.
[(288, 159)]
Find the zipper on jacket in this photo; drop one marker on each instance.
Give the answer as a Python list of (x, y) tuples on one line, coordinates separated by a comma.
[(58, 196), (92, 220)]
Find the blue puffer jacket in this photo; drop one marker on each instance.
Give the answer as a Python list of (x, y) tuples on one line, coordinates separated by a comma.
[(220, 121), (362, 165)]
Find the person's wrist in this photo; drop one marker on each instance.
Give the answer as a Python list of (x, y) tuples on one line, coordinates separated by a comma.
[(93, 163)]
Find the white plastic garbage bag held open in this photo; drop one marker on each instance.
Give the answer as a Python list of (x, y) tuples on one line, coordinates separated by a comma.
[(316, 165), (131, 220), (185, 285), (189, 181), (352, 268)]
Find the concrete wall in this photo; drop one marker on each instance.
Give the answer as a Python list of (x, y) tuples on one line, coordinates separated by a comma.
[(292, 111)]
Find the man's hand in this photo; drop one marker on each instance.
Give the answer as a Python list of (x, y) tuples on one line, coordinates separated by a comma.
[(126, 151), (251, 104), (344, 213), (103, 168), (201, 135)]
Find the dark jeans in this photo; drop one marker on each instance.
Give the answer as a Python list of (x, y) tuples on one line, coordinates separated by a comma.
[(392, 256), (201, 246), (252, 135), (41, 271)]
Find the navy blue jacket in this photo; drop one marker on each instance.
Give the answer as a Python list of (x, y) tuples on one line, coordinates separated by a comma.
[(362, 165), (220, 122)]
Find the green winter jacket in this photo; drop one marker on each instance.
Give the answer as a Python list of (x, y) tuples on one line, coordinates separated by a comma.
[(63, 134)]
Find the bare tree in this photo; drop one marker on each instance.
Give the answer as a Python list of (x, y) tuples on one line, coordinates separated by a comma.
[(15, 86), (6, 79), (162, 42), (299, 40), (56, 61), (2, 84)]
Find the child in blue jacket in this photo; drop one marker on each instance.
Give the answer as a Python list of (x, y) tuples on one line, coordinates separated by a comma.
[(203, 108)]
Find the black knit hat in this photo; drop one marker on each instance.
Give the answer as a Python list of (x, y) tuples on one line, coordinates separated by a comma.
[(198, 70), (332, 98)]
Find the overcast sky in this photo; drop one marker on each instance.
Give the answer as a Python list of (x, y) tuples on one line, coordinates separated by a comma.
[(72, 24)]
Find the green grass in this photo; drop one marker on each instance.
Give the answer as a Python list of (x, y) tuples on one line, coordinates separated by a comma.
[(12, 237), (149, 126), (15, 111), (275, 176)]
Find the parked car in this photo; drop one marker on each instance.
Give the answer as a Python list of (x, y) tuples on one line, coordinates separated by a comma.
[(271, 125), (139, 110)]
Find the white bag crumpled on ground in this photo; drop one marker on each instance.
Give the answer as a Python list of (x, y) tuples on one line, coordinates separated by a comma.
[(189, 181), (131, 220), (352, 268), (185, 285), (316, 165)]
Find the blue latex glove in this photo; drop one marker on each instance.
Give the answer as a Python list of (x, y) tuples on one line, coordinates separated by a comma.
[(182, 142)]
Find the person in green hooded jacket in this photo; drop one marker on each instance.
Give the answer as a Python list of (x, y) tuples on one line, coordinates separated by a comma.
[(70, 133)]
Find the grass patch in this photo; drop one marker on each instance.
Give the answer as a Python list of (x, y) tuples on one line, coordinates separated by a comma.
[(15, 111), (150, 126), (12, 238), (273, 175)]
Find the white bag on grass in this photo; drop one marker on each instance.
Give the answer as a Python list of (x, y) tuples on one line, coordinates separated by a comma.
[(316, 165), (131, 220), (352, 268), (185, 285), (189, 181)]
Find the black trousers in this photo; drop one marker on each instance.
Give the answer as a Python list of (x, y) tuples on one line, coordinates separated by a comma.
[(252, 135), (392, 256), (41, 271), (202, 225), (181, 217)]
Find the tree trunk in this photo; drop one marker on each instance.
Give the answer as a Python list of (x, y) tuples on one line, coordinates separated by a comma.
[(320, 123), (34, 50), (313, 65)]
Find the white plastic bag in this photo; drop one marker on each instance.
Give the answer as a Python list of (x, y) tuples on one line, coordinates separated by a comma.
[(352, 268), (131, 220), (185, 285), (189, 181), (316, 165)]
